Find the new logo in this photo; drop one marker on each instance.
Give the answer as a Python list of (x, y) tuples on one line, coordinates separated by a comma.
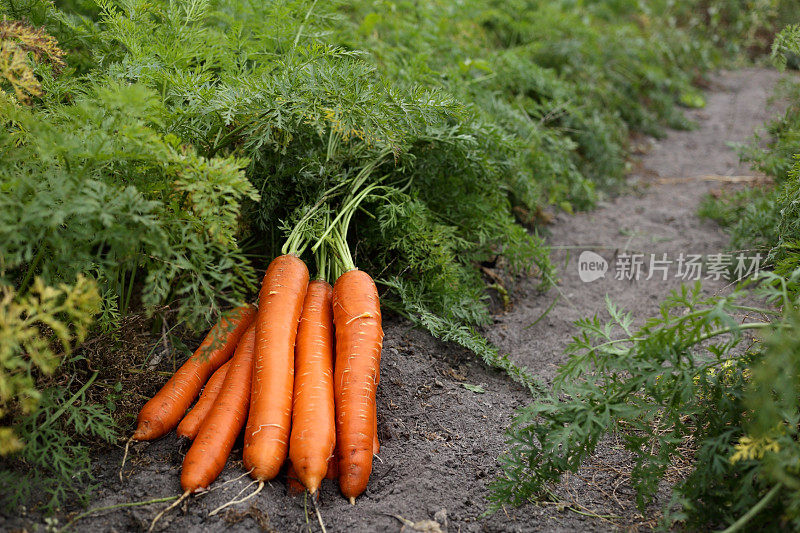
[(591, 266)]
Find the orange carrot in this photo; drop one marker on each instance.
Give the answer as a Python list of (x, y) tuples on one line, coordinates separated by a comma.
[(266, 437), (293, 481), (333, 466), (357, 318), (376, 445), (167, 407), (190, 424), (313, 434), (210, 450)]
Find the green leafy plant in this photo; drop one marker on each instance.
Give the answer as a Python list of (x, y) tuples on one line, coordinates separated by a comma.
[(17, 41), (168, 149), (35, 331), (690, 377), (98, 187), (54, 466), (786, 44), (749, 215), (42, 429)]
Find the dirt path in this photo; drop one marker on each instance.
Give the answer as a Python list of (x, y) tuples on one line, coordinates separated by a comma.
[(669, 180), (441, 440)]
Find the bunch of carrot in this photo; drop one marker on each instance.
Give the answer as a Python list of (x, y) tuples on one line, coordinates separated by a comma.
[(298, 372)]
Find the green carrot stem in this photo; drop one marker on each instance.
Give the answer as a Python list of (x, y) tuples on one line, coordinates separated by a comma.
[(345, 214), (31, 269), (322, 264), (296, 243), (757, 508), (69, 402), (339, 245)]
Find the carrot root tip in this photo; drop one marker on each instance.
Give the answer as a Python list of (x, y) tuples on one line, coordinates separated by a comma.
[(124, 457), (165, 511), (319, 515), (235, 501)]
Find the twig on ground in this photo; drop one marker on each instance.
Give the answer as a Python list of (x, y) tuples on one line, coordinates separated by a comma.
[(711, 177)]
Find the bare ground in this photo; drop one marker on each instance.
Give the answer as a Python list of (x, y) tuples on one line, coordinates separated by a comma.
[(440, 440)]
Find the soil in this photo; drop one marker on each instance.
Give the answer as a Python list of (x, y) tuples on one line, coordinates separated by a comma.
[(441, 440)]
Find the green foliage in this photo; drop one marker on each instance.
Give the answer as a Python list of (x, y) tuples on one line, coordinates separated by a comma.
[(743, 26), (749, 215), (169, 153), (766, 218), (41, 430), (563, 82), (786, 253), (690, 376), (54, 467), (32, 327), (787, 44), (98, 187), (773, 155)]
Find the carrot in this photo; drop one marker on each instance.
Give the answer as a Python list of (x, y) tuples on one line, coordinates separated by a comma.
[(163, 412), (210, 450), (376, 445), (357, 318), (313, 435), (293, 481), (190, 424), (266, 437), (333, 466)]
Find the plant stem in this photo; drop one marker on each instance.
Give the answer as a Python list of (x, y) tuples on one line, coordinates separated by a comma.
[(323, 267), (739, 524), (344, 216), (217, 144), (757, 310), (701, 338), (339, 245), (52, 418), (364, 173), (734, 329), (302, 26), (126, 302), (118, 506), (546, 312), (23, 287), (295, 243)]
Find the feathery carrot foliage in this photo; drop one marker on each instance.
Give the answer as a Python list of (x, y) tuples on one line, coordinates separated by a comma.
[(161, 148)]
